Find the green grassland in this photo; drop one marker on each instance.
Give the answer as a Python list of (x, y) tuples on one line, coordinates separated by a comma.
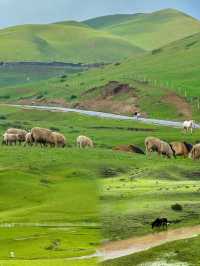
[(49, 207), (60, 186), (13, 74), (63, 42), (48, 262), (149, 31)]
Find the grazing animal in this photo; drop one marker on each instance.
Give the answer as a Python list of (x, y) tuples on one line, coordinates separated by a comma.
[(10, 139), (181, 148), (188, 126), (20, 132), (59, 140), (166, 149), (195, 152), (28, 139), (152, 144), (129, 148), (156, 145), (42, 136), (83, 142), (160, 222)]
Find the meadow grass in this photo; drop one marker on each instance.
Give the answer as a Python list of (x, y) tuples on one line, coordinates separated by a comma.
[(10, 75), (62, 186)]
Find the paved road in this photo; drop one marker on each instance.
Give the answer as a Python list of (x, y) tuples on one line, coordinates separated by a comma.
[(107, 115)]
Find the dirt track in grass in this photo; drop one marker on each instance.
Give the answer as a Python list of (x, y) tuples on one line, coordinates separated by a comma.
[(121, 248)]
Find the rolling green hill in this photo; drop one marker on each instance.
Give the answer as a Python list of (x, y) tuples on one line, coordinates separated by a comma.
[(150, 31), (63, 41), (162, 84)]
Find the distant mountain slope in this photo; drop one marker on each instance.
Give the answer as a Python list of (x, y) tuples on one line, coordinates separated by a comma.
[(63, 41), (151, 31)]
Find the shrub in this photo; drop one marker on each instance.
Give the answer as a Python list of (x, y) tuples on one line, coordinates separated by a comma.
[(73, 97), (5, 97), (108, 172), (63, 76), (54, 129), (177, 207), (3, 117)]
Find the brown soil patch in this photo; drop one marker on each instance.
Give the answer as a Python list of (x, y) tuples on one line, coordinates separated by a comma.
[(54, 102), (110, 106), (180, 103), (112, 88), (107, 98)]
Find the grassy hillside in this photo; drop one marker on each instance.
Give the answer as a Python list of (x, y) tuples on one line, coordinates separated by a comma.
[(151, 31), (67, 42), (163, 84)]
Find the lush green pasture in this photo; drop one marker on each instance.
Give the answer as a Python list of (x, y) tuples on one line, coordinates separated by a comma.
[(131, 203), (48, 205), (26, 74), (59, 188), (184, 252), (48, 262)]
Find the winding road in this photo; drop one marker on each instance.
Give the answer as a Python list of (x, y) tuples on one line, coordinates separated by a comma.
[(104, 115)]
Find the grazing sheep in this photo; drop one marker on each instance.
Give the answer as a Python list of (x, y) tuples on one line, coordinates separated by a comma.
[(152, 144), (195, 152), (42, 136), (161, 147), (188, 126), (59, 139), (181, 148), (166, 149), (129, 148), (20, 132), (28, 139), (83, 142), (9, 139)]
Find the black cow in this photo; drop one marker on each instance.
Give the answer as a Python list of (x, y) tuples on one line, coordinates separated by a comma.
[(160, 222)]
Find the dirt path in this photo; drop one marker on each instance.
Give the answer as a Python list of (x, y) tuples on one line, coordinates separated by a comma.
[(117, 249)]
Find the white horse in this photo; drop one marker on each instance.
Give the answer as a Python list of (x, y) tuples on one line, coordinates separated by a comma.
[(188, 126)]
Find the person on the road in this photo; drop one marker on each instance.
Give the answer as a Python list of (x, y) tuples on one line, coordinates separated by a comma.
[(137, 115)]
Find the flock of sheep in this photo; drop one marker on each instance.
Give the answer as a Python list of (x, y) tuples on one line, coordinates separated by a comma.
[(41, 136), (169, 150), (172, 149), (46, 137)]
